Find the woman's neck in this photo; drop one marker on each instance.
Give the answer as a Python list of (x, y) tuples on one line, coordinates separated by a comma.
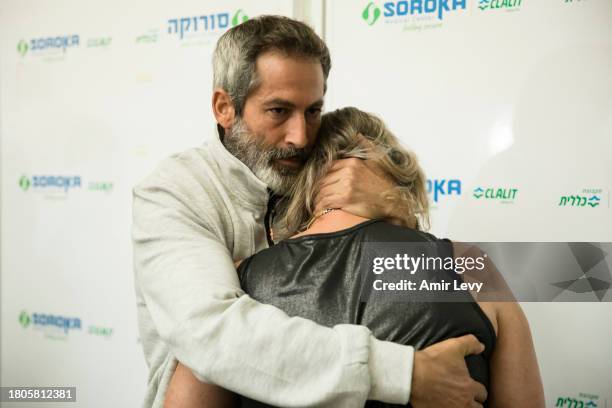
[(333, 221)]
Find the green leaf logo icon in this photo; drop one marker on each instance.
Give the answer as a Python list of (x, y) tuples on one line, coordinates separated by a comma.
[(371, 13), (24, 319), (24, 183), (22, 47), (239, 17)]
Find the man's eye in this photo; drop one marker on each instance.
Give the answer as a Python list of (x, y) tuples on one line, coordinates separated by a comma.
[(314, 111), (278, 111)]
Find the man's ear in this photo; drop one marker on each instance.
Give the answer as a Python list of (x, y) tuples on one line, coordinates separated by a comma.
[(223, 108)]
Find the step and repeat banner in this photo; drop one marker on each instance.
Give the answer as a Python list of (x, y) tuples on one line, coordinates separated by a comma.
[(508, 105), (93, 96)]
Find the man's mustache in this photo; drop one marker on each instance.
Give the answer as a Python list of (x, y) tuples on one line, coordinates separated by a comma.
[(300, 154)]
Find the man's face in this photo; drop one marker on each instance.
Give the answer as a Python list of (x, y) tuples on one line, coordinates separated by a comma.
[(280, 119)]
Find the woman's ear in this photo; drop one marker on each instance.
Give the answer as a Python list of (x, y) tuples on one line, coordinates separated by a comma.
[(223, 108)]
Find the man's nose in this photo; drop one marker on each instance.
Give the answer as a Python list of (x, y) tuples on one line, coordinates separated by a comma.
[(297, 135)]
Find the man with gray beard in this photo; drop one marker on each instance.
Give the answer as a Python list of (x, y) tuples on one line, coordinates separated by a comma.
[(263, 159), (207, 207)]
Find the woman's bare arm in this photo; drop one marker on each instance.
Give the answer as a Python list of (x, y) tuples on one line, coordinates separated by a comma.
[(186, 391), (515, 376)]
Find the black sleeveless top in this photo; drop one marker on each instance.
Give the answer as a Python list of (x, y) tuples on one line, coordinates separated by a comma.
[(314, 277)]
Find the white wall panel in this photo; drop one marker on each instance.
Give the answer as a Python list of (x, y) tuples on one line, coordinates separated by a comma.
[(512, 98), (102, 113)]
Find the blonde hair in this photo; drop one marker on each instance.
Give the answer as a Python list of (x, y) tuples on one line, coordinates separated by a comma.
[(339, 138)]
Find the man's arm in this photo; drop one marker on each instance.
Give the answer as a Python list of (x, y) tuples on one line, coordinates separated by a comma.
[(190, 286)]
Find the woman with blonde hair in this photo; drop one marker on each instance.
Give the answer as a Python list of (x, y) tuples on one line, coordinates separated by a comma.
[(316, 274), (352, 133)]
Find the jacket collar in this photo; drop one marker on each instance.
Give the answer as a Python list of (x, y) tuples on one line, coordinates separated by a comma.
[(237, 177)]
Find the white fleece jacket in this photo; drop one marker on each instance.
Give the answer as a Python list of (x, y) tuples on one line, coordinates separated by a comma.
[(199, 211)]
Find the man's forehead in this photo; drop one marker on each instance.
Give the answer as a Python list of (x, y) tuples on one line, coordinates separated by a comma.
[(280, 74)]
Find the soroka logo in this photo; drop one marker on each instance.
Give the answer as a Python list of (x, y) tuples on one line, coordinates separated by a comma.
[(58, 43), (440, 187), (202, 24), (239, 18), (50, 182), (499, 4), (501, 194), (371, 13), (41, 320), (22, 47), (59, 327), (24, 183), (24, 319), (393, 9)]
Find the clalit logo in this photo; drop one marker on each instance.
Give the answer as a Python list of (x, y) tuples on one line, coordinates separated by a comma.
[(499, 4), (502, 194), (371, 13), (579, 201), (588, 197)]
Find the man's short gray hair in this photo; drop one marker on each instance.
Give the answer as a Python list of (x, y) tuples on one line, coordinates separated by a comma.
[(237, 51)]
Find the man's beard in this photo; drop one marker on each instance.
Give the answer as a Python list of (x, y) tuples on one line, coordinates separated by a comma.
[(261, 157)]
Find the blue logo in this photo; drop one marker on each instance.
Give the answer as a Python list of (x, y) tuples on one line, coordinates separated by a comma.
[(419, 7), (50, 321), (202, 24), (440, 187), (60, 42), (50, 182)]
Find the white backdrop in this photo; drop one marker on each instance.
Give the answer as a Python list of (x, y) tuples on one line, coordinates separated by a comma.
[(514, 100)]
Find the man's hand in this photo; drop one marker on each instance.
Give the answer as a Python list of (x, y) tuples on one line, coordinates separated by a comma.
[(360, 187), (440, 377)]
